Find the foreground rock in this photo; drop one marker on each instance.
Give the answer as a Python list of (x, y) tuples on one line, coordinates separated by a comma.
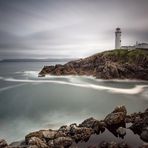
[(65, 136), (61, 142), (3, 143), (114, 64), (140, 125), (116, 117)]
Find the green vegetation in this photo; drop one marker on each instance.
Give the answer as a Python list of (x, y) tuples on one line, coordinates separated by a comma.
[(126, 55)]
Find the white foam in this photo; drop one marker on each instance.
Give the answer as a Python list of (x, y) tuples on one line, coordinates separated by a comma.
[(136, 90), (31, 73), (75, 81), (34, 74)]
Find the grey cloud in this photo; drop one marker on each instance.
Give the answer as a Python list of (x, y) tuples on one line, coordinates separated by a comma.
[(69, 26)]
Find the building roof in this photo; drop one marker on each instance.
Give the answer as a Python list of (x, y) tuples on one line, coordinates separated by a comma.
[(142, 44)]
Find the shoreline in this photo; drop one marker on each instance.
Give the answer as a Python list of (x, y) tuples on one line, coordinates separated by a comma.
[(115, 122), (113, 64)]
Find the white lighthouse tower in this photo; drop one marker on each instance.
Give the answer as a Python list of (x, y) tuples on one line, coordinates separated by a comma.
[(117, 38)]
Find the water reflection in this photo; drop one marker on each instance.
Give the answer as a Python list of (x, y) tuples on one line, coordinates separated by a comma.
[(132, 140)]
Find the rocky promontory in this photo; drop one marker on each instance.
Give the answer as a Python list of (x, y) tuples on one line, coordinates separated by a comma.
[(68, 136), (113, 64)]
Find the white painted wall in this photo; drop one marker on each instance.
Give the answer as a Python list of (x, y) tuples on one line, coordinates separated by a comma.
[(142, 46), (117, 38)]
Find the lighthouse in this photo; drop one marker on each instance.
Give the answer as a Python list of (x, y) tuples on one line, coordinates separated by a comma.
[(117, 38)]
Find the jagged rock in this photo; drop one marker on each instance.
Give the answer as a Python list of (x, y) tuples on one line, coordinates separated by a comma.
[(121, 108), (49, 134), (80, 133), (64, 129), (144, 134), (35, 141), (140, 125), (128, 119), (121, 131), (18, 144), (146, 110), (60, 134), (96, 125), (116, 117), (114, 64), (62, 142), (51, 143), (88, 123), (3, 143), (33, 134), (42, 134), (66, 135)]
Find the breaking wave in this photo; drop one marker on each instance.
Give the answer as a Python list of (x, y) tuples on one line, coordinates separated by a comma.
[(135, 90)]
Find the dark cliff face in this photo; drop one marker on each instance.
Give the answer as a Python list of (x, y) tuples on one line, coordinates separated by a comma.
[(113, 64)]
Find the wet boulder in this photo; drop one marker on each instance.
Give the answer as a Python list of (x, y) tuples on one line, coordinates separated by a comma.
[(49, 134), (88, 122), (116, 117), (18, 144), (3, 143), (60, 134), (64, 142), (80, 133), (96, 125), (121, 108), (144, 134), (64, 129), (42, 134), (35, 141), (121, 131), (139, 125)]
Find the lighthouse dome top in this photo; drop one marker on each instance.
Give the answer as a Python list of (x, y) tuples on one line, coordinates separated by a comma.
[(118, 28)]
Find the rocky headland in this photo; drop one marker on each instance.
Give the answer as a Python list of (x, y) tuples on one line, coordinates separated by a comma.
[(113, 64), (66, 136)]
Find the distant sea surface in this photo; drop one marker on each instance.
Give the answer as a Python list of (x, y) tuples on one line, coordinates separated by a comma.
[(29, 103)]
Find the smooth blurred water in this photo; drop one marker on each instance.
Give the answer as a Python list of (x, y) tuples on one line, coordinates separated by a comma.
[(29, 103)]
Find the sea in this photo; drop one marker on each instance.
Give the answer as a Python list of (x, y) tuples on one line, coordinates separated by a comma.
[(30, 103)]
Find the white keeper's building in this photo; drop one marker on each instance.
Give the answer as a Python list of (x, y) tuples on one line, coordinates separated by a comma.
[(118, 42)]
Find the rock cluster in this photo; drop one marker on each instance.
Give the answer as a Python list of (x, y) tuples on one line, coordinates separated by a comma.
[(3, 143), (65, 136), (113, 64), (140, 125)]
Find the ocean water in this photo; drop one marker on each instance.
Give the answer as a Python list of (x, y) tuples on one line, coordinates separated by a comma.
[(29, 103)]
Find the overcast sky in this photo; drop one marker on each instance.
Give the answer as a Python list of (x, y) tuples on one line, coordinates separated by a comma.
[(68, 28)]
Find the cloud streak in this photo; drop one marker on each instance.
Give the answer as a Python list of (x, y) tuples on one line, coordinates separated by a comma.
[(68, 27)]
